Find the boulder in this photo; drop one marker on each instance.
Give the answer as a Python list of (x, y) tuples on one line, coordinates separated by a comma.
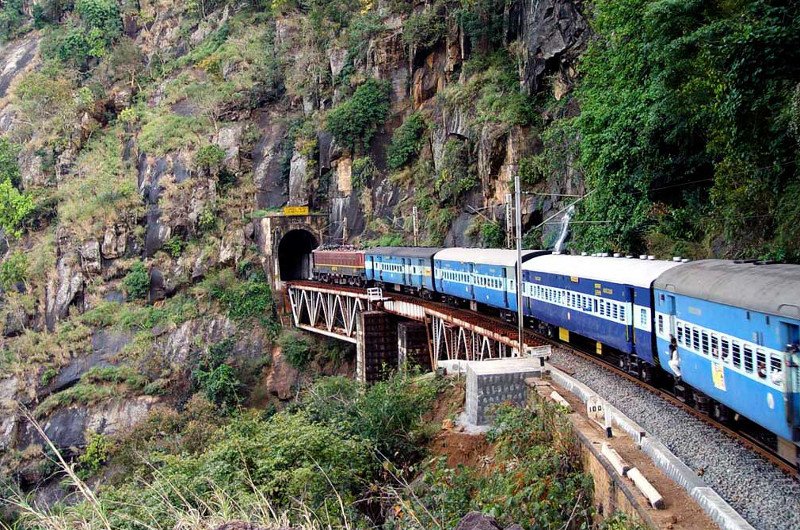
[(298, 179), (283, 378), (64, 290), (478, 521), (179, 343), (90, 257), (115, 240), (229, 139)]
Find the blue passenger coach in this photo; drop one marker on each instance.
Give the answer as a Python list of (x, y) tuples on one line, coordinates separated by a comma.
[(486, 276), (405, 267), (736, 326), (605, 299)]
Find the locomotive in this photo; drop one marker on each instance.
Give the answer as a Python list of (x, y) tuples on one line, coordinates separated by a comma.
[(726, 333)]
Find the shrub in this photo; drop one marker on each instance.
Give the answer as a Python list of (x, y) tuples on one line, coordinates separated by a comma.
[(457, 175), (9, 167), (137, 282), (406, 141), (362, 172), (354, 121), (492, 235), (424, 29), (13, 270), (174, 246), (209, 158), (245, 300), (296, 349), (12, 18), (95, 454), (216, 378), (14, 208)]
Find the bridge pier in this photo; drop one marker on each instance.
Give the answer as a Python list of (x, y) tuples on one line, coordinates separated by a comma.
[(376, 346)]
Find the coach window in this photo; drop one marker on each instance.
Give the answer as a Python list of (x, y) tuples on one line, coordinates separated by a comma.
[(661, 323), (748, 359), (680, 331), (595, 306), (643, 318), (704, 335), (714, 345), (761, 363), (696, 339), (622, 313), (736, 351), (726, 348), (776, 369)]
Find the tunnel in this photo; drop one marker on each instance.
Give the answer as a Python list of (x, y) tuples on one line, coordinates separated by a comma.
[(294, 254)]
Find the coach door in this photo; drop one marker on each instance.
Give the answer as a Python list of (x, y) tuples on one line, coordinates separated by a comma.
[(671, 312)]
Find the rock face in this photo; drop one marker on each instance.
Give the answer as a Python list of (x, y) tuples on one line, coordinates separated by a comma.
[(553, 32)]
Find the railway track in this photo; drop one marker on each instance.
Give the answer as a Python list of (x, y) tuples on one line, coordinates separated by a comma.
[(535, 339)]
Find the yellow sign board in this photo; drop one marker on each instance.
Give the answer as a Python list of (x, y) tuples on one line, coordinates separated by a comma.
[(295, 210)]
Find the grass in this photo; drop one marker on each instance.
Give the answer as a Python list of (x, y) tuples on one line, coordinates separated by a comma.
[(103, 189)]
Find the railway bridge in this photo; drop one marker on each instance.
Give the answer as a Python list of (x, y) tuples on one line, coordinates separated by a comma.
[(391, 328)]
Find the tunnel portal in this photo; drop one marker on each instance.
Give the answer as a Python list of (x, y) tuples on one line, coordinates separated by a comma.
[(294, 254)]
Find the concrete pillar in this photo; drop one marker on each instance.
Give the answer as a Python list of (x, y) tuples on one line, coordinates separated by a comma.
[(412, 345)]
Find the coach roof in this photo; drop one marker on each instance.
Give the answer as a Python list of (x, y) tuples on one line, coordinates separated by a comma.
[(485, 256), (404, 252), (766, 288), (625, 271)]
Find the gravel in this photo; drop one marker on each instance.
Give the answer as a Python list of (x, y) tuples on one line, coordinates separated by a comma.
[(761, 493)]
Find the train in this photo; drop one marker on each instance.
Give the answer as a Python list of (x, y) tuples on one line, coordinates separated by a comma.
[(724, 333)]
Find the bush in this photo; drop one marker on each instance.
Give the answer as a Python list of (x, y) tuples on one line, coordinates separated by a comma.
[(362, 172), (14, 208), (354, 121), (296, 349), (457, 175), (174, 246), (245, 300), (493, 235), (406, 141), (137, 282), (209, 158), (95, 455), (13, 270), (424, 29), (9, 167)]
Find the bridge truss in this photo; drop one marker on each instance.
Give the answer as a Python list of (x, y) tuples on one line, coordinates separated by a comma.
[(453, 334)]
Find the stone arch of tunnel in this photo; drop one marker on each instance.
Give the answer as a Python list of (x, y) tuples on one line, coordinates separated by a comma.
[(294, 254)]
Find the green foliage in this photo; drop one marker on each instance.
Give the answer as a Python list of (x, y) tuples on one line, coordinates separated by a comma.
[(354, 121), (425, 28), (13, 270), (174, 246), (675, 95), (12, 18), (95, 455), (209, 158), (457, 175), (296, 349), (388, 413), (406, 141), (137, 282), (216, 378), (169, 132), (47, 376), (482, 22), (362, 172), (9, 167), (14, 208), (493, 235), (535, 480), (245, 300)]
